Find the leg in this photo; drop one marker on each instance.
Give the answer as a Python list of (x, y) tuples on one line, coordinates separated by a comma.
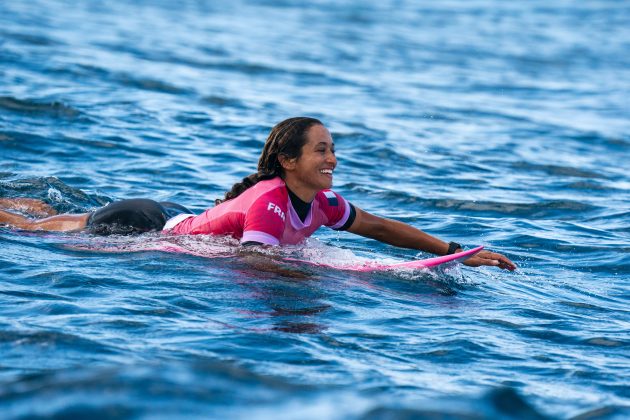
[(28, 205), (58, 223)]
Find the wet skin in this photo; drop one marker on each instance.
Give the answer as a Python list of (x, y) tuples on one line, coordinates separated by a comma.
[(58, 223)]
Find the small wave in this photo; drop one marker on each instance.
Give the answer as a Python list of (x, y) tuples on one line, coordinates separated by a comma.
[(547, 334), (551, 208), (30, 107), (610, 412), (81, 70), (540, 210), (150, 84), (536, 314), (503, 323), (199, 385), (582, 306), (498, 403), (29, 295), (53, 338), (588, 186), (53, 191), (31, 39), (557, 170), (534, 210), (306, 77), (458, 351), (605, 342), (610, 216), (125, 79), (222, 102)]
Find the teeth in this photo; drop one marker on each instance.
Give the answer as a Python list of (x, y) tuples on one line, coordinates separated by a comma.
[(326, 171)]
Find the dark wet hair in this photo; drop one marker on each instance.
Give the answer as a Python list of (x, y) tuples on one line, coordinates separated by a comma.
[(285, 139)]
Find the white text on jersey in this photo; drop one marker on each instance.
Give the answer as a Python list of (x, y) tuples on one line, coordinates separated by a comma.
[(276, 210)]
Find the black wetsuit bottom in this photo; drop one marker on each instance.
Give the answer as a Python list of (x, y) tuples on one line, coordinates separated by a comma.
[(137, 215)]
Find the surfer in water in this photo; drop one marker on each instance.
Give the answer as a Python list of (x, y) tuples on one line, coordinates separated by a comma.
[(285, 201)]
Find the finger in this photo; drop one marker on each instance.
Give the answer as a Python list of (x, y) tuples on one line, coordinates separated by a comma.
[(492, 259), (488, 258), (504, 261), (479, 261), (509, 265)]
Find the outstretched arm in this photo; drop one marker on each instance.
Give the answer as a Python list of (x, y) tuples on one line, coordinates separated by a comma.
[(405, 236)]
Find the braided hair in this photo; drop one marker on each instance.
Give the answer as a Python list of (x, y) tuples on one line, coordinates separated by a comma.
[(285, 139)]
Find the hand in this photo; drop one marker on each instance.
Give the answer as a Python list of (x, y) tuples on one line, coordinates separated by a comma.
[(490, 258)]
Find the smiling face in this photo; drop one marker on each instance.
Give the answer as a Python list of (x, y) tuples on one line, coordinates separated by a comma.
[(313, 170)]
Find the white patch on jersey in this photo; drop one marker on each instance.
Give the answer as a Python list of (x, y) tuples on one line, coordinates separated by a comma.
[(277, 210)]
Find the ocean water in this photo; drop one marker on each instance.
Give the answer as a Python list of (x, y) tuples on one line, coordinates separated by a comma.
[(505, 124)]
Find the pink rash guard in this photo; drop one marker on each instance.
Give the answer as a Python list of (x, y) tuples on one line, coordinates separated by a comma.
[(264, 213)]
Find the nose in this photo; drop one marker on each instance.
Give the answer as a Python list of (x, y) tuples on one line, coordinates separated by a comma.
[(331, 158)]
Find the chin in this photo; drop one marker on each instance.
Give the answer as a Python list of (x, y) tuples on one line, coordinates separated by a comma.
[(325, 184)]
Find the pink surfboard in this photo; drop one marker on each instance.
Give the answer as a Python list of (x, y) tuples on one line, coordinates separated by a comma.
[(364, 266), (409, 265)]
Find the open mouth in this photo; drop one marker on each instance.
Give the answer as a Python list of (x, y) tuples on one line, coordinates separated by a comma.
[(326, 171)]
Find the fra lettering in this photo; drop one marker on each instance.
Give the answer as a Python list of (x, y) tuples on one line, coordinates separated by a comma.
[(277, 210)]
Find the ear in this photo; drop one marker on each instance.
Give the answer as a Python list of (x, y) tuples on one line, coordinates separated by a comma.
[(288, 164)]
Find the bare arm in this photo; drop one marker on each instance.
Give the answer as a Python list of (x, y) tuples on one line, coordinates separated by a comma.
[(406, 236), (396, 233)]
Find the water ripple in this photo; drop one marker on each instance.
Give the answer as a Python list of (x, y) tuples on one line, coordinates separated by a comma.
[(30, 107), (447, 116)]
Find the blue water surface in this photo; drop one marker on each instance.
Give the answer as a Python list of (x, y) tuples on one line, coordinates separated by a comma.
[(505, 124)]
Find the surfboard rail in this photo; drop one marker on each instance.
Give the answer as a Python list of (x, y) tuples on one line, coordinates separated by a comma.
[(415, 264)]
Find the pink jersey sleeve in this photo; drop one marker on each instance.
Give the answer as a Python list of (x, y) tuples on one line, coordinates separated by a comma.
[(265, 220), (335, 207)]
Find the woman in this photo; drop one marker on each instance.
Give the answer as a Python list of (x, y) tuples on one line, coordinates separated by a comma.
[(283, 203)]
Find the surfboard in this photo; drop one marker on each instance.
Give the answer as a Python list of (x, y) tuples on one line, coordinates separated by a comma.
[(409, 265), (212, 252)]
